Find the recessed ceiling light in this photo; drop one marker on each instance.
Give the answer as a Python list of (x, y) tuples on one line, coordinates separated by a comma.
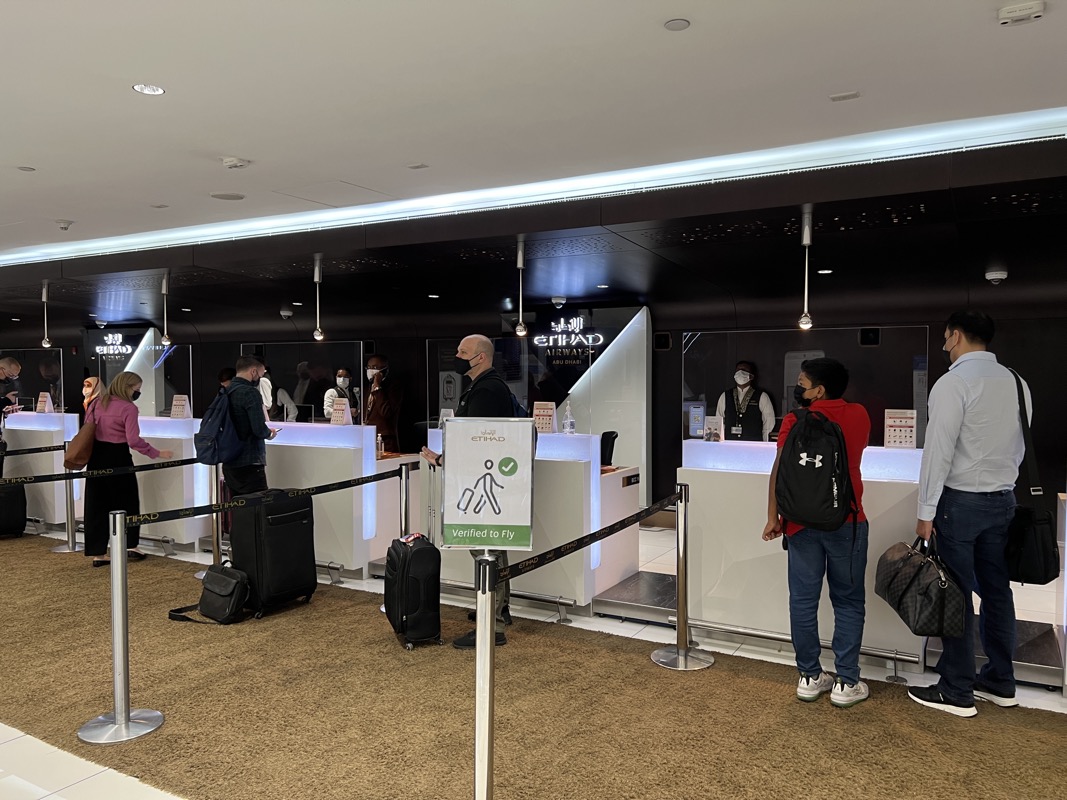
[(16, 319), (825, 271), (434, 296), (186, 309), (27, 169), (602, 286), (297, 304), (143, 303), (676, 24), (160, 205), (840, 98), (420, 165), (147, 88), (92, 315), (227, 196)]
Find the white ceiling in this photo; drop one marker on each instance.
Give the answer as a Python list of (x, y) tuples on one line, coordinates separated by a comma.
[(331, 100)]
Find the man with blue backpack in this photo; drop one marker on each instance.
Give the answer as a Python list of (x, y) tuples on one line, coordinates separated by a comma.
[(816, 499), (234, 429)]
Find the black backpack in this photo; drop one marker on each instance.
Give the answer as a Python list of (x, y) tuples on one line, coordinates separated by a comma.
[(217, 441), (813, 487)]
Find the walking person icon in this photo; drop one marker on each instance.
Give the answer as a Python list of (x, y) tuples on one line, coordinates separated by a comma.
[(485, 491)]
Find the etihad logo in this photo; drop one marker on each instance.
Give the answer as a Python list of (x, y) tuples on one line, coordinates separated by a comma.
[(13, 481), (299, 492), (113, 346), (804, 460), (570, 340), (226, 506), (137, 519), (488, 436)]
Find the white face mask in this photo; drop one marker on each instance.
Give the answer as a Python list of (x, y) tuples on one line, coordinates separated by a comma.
[(86, 391), (343, 382), (741, 377), (371, 373)]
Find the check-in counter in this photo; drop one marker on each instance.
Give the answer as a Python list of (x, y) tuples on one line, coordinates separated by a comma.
[(571, 497), (22, 431), (352, 526), (737, 580), (174, 487)]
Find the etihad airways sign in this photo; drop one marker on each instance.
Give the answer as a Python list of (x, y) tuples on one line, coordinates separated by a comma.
[(569, 333), (113, 346)]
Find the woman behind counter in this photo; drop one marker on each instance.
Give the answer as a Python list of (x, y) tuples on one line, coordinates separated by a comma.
[(117, 431)]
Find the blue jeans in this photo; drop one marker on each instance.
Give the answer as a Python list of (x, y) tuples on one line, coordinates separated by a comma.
[(971, 530), (843, 560)]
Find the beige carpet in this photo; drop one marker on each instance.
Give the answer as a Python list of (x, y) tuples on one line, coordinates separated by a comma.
[(322, 702)]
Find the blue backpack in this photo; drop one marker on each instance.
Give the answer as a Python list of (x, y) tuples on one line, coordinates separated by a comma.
[(217, 441)]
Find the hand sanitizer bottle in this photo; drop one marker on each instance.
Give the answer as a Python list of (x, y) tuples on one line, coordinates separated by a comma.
[(381, 446), (568, 419)]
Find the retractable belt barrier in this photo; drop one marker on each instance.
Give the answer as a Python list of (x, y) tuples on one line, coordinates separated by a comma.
[(51, 448), (252, 502), (96, 473), (547, 557)]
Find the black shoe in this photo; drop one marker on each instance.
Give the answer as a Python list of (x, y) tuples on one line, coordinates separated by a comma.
[(135, 555), (472, 616), (468, 641), (101, 562), (931, 697), (987, 693)]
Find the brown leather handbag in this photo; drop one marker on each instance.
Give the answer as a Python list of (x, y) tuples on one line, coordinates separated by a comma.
[(81, 446)]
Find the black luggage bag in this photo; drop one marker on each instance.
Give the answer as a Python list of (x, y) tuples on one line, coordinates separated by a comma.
[(413, 590), (275, 545), (12, 503)]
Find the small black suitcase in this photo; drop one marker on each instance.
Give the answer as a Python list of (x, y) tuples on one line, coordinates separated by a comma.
[(275, 545), (12, 503), (413, 590)]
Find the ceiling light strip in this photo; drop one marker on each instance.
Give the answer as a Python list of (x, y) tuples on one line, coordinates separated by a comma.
[(924, 140)]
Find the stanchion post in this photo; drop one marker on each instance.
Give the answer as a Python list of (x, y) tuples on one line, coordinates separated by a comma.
[(123, 723), (72, 545), (485, 654), (405, 499), (681, 656), (216, 524)]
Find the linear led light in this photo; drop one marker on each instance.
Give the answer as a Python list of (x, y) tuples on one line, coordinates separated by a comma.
[(922, 140)]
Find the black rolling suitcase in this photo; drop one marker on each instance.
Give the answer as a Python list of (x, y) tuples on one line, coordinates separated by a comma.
[(413, 589), (275, 545), (12, 503)]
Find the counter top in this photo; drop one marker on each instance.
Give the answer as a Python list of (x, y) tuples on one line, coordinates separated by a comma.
[(879, 463)]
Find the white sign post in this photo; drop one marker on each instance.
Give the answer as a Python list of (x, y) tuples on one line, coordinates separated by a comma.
[(488, 484)]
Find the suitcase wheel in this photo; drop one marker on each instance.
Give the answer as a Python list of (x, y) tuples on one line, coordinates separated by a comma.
[(409, 646), (259, 614)]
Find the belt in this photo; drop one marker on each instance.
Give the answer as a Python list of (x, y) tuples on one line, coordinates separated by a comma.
[(998, 493)]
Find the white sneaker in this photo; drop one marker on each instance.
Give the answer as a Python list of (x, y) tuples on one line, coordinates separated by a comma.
[(809, 689), (845, 695)]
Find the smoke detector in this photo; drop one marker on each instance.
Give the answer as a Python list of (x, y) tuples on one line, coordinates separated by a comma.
[(232, 162), (1021, 13)]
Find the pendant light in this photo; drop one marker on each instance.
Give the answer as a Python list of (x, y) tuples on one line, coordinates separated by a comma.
[(805, 239), (45, 342), (318, 334), (165, 341), (520, 265)]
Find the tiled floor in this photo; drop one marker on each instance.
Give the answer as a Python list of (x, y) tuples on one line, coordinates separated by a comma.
[(31, 769)]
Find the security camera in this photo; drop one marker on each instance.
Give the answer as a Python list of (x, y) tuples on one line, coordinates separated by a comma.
[(64, 224), (559, 301), (100, 323), (286, 312), (995, 276)]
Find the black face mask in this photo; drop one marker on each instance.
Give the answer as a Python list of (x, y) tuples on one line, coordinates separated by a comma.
[(461, 365), (799, 398), (134, 396)]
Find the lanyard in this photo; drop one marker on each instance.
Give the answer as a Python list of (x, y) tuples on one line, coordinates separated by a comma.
[(741, 402)]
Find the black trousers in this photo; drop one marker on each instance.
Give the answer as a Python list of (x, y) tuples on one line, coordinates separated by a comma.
[(245, 480), (107, 494)]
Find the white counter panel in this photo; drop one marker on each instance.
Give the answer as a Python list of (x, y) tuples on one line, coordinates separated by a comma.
[(176, 487), (46, 501)]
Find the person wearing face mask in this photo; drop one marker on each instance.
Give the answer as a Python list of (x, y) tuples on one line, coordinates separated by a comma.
[(117, 431), (247, 473), (10, 369), (840, 556), (974, 445), (487, 396), (746, 410), (91, 388), (342, 388), (382, 406)]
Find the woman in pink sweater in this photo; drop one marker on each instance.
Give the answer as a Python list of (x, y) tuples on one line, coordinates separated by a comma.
[(117, 431)]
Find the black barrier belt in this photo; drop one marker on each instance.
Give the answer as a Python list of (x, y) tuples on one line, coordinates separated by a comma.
[(97, 473), (29, 450), (549, 556), (252, 502)]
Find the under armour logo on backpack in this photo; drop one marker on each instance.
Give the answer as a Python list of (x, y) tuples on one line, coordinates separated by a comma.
[(804, 460)]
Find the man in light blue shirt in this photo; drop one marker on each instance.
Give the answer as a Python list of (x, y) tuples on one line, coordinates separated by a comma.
[(974, 445)]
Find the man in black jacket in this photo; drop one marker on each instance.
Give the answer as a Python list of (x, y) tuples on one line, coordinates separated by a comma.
[(248, 472), (487, 396)]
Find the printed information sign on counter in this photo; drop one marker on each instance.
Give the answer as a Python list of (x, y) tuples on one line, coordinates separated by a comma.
[(900, 424), (488, 484), (544, 415), (180, 408)]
